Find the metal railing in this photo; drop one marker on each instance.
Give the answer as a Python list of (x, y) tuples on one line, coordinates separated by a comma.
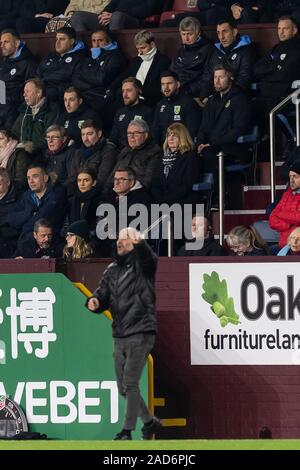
[(294, 98)]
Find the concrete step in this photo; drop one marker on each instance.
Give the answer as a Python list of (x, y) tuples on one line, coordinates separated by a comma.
[(263, 173), (259, 197)]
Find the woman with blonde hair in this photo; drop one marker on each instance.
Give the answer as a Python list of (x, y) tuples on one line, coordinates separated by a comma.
[(293, 245), (179, 168), (78, 245), (244, 240)]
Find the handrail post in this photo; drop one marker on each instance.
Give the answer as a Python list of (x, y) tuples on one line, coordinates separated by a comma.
[(272, 155), (221, 197), (297, 122), (170, 237)]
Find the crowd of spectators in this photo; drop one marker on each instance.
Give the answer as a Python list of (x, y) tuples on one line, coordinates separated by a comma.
[(85, 127)]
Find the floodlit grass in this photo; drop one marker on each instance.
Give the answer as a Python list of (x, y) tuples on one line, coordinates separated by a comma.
[(153, 445)]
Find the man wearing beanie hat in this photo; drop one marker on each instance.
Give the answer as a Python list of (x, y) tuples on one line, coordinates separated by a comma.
[(286, 215), (127, 289), (80, 228)]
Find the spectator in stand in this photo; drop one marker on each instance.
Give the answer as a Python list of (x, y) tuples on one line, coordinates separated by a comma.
[(41, 200), (9, 11), (192, 56), (226, 117), (35, 14), (36, 115), (76, 113), (285, 217), (233, 51), (126, 191), (175, 106), (213, 10), (202, 235), (134, 109), (10, 193), (97, 72), (248, 11), (284, 7), (78, 245), (84, 13), (122, 14), (57, 156), (16, 66), (293, 244), (146, 67), (95, 152), (178, 169), (41, 243), (276, 72), (15, 160), (141, 153), (245, 241), (86, 198), (58, 68)]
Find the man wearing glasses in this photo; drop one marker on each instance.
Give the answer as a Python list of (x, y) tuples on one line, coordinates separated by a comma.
[(57, 153), (141, 153)]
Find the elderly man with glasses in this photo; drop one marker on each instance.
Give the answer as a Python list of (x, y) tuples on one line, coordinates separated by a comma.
[(141, 153)]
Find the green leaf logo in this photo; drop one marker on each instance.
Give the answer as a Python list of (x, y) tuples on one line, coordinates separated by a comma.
[(215, 293)]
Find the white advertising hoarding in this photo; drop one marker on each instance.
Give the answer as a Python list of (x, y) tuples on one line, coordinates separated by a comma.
[(245, 313)]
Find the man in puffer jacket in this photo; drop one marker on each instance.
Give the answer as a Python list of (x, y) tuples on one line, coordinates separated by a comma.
[(127, 289)]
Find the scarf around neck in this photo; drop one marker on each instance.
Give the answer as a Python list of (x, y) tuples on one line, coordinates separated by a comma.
[(7, 152)]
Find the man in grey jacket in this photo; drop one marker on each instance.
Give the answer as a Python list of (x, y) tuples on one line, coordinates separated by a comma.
[(127, 289)]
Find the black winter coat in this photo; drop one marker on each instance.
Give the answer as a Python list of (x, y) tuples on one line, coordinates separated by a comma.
[(57, 163), (101, 157), (29, 8), (127, 289), (57, 71), (177, 187), (72, 122), (15, 71), (210, 248), (142, 160), (122, 119), (279, 69), (189, 64), (135, 8), (84, 205), (8, 233), (239, 57), (178, 108), (27, 247), (151, 85), (225, 119)]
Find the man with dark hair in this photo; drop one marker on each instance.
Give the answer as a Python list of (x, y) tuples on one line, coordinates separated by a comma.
[(276, 72), (76, 113), (134, 109), (58, 68), (95, 152), (226, 117), (127, 289), (36, 115), (175, 106), (97, 72), (41, 243), (16, 66), (41, 200), (233, 51)]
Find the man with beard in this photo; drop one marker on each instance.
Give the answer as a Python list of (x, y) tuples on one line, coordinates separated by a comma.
[(41, 243)]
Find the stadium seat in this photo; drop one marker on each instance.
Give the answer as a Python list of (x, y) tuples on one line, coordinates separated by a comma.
[(179, 6), (205, 187)]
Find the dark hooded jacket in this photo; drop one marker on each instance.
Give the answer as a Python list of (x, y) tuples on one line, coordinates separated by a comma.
[(127, 289)]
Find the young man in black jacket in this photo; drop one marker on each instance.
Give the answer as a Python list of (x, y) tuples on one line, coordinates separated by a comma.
[(127, 289)]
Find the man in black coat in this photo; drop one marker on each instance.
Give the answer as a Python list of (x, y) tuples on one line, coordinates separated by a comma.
[(134, 109), (175, 106), (235, 52), (10, 193), (58, 68), (191, 58), (16, 67), (147, 67), (122, 14), (226, 117), (76, 113), (127, 290), (41, 243), (276, 72)]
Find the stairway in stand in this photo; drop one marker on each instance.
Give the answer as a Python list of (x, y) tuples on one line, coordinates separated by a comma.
[(253, 200)]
